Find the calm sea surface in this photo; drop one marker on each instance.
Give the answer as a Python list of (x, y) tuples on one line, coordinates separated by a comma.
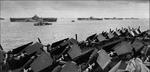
[(18, 33)]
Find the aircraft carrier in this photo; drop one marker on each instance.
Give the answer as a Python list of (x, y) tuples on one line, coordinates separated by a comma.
[(33, 19)]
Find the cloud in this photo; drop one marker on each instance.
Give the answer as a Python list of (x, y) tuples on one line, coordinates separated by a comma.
[(82, 0), (75, 8)]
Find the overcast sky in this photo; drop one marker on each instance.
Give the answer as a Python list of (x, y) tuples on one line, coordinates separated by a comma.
[(108, 8)]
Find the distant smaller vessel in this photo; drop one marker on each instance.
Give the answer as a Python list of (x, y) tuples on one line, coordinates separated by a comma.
[(1, 18), (132, 18), (114, 18), (90, 18), (73, 21), (42, 24)]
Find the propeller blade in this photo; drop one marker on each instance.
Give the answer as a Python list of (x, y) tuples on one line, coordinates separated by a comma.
[(39, 40), (1, 47)]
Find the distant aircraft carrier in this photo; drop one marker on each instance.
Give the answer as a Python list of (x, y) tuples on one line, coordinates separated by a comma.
[(33, 19)]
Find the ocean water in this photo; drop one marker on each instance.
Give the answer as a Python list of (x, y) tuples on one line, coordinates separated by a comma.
[(15, 34)]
